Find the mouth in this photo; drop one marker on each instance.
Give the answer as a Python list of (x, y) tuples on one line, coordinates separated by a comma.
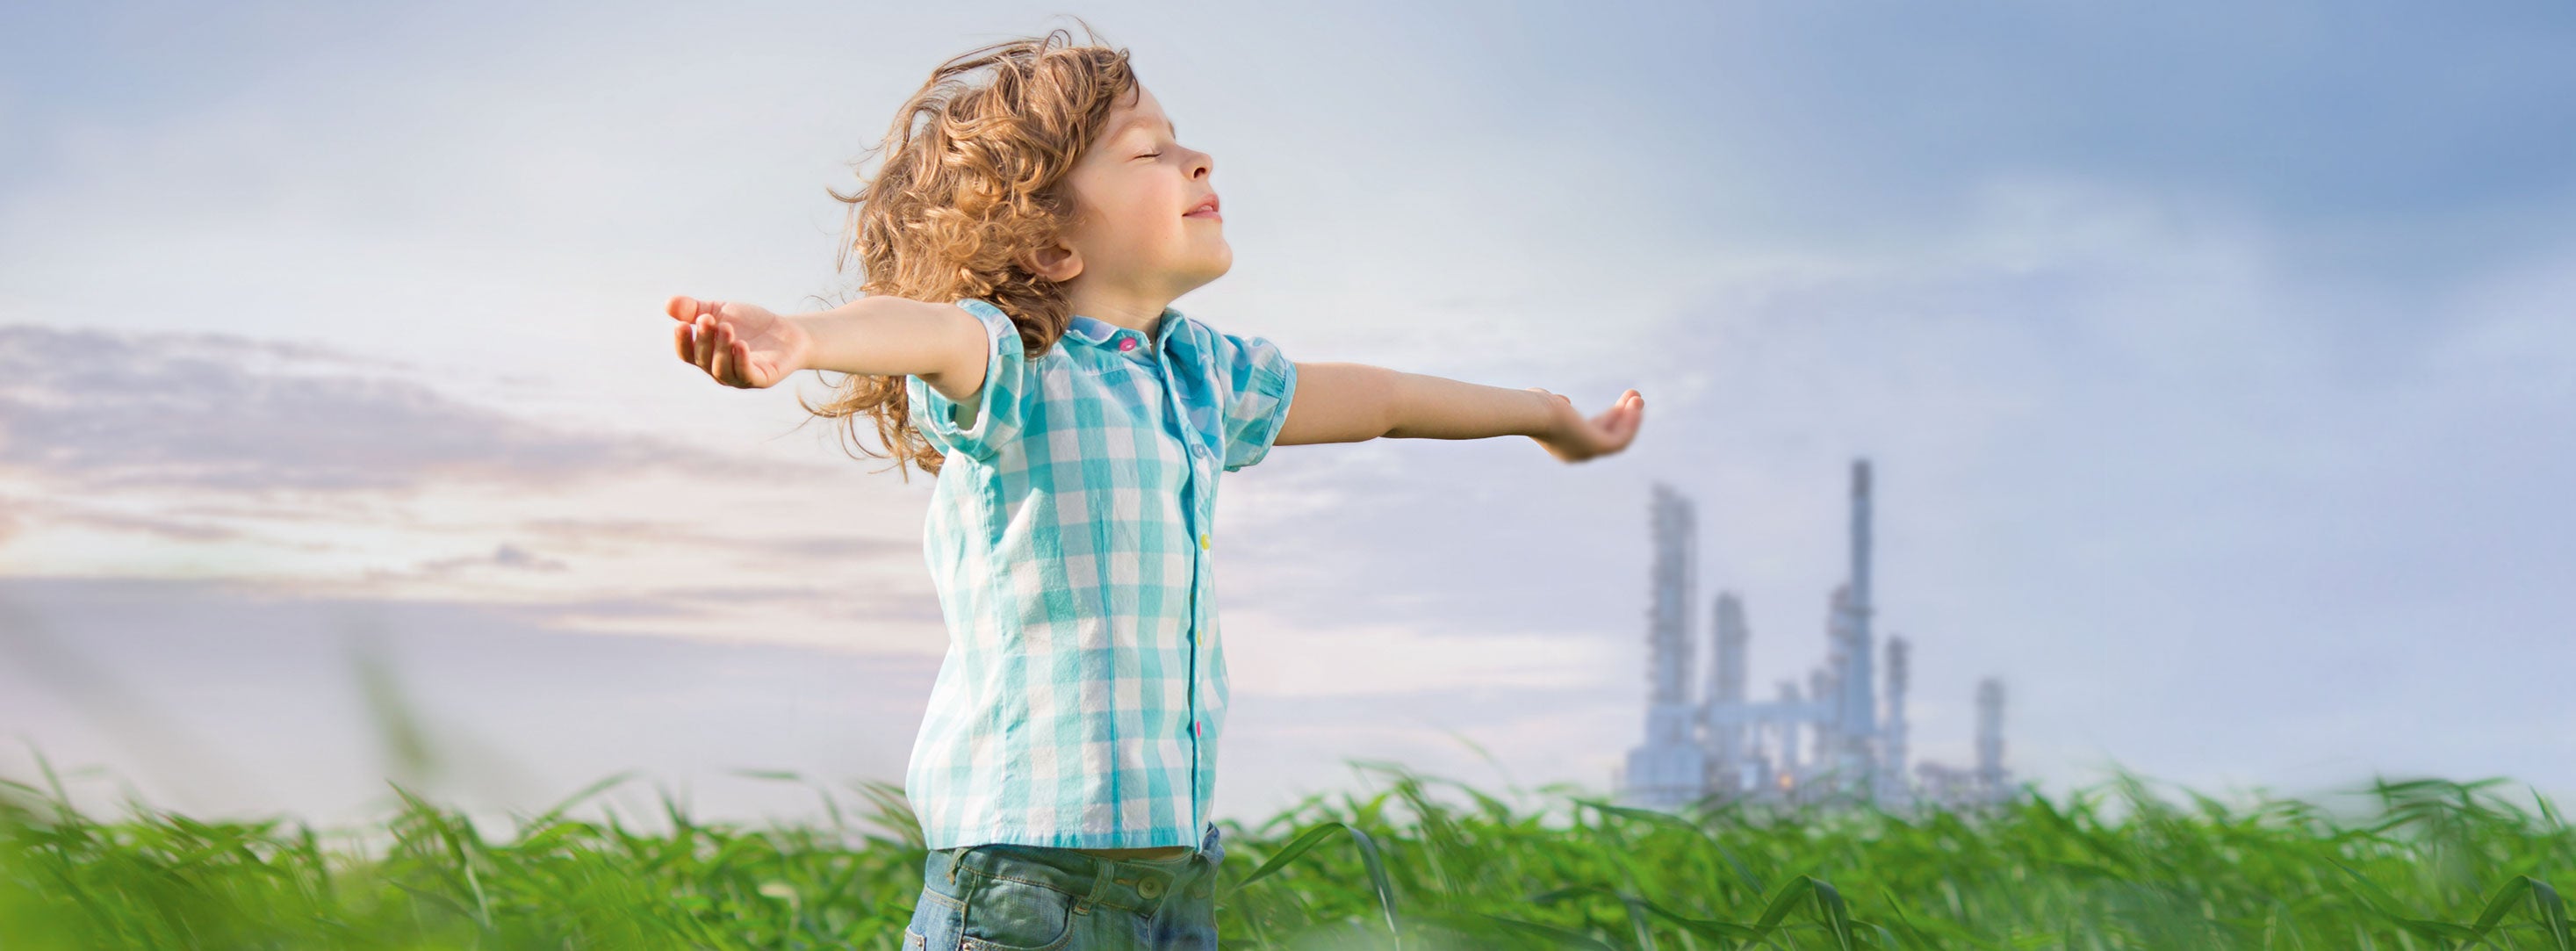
[(1206, 208)]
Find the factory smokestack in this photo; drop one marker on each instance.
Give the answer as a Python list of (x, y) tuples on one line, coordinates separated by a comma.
[(1859, 714), (1726, 678), (1788, 728), (1893, 767), (1670, 767), (1860, 539), (1990, 736), (1829, 733), (1668, 647)]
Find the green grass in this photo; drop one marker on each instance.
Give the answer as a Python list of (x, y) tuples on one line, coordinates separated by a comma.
[(1421, 863)]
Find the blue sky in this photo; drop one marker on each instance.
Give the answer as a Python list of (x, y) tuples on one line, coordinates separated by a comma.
[(2215, 362)]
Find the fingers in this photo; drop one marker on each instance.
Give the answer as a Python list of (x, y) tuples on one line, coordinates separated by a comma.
[(721, 362), (708, 342), (705, 337), (1610, 431), (689, 337), (1630, 412), (686, 309), (1623, 413), (1616, 427), (737, 362)]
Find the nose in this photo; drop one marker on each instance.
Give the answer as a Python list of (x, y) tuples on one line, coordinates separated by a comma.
[(1204, 166)]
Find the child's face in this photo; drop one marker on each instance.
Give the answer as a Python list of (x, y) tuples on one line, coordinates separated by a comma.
[(1134, 236)]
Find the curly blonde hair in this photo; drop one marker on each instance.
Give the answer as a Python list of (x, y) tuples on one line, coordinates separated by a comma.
[(973, 175)]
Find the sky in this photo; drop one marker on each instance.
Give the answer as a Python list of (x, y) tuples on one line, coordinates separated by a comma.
[(2214, 364)]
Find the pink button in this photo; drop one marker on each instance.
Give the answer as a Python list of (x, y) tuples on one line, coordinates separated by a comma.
[(1127, 344)]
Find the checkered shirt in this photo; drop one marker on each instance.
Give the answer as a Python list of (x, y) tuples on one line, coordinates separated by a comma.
[(1084, 688)]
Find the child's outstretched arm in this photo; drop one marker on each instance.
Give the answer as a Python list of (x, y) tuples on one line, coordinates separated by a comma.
[(744, 345), (1353, 402)]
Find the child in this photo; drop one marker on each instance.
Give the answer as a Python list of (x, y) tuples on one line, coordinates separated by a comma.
[(1022, 243)]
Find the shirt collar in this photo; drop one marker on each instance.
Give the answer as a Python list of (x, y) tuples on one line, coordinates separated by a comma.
[(1096, 331)]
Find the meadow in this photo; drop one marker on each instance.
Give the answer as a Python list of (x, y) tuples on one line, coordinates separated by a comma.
[(1420, 862)]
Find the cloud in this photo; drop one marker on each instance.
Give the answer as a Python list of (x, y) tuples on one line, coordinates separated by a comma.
[(17, 513), (505, 557), (113, 411), (606, 531), (317, 472)]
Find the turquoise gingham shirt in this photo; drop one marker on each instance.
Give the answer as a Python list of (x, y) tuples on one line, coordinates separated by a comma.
[(1069, 535)]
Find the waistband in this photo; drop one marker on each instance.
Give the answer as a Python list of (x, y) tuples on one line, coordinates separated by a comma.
[(1137, 885)]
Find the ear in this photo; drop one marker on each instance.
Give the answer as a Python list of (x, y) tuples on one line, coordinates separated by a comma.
[(1057, 262)]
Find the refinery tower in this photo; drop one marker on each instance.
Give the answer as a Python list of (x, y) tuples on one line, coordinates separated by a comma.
[(1841, 740)]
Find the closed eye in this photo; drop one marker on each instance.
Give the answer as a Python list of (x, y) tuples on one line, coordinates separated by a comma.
[(1150, 155)]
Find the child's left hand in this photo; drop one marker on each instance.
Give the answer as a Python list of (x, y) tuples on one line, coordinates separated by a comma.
[(1572, 438)]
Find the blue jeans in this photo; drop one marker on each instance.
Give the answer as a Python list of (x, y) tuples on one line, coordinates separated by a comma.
[(1030, 898)]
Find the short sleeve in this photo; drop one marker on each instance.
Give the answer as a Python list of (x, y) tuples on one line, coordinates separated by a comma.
[(1258, 384), (989, 420)]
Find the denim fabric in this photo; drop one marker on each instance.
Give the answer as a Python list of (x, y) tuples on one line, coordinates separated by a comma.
[(1000, 897)]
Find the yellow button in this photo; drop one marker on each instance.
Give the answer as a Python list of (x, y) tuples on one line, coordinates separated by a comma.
[(1203, 540)]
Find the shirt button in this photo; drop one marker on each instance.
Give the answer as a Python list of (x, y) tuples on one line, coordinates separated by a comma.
[(1127, 344), (1203, 542)]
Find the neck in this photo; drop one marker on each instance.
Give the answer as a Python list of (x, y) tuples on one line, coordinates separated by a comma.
[(1133, 309)]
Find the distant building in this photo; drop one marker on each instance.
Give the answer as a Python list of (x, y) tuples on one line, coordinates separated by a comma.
[(1728, 745)]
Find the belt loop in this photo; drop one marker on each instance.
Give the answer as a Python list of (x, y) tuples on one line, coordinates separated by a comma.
[(1100, 869)]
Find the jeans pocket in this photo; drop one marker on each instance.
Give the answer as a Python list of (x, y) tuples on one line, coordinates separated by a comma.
[(1007, 915)]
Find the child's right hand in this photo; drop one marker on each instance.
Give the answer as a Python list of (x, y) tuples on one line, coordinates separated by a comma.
[(741, 345)]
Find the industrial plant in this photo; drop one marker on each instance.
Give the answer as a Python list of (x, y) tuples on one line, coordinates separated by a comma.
[(1840, 740)]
